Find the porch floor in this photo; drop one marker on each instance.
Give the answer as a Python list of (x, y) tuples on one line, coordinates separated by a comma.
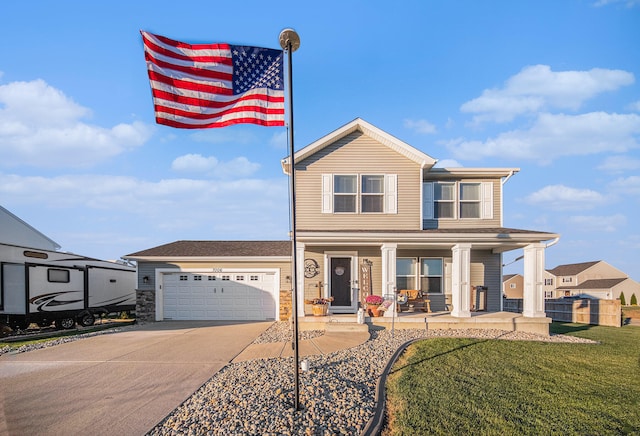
[(506, 321)]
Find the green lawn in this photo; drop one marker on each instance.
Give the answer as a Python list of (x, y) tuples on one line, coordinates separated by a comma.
[(471, 386)]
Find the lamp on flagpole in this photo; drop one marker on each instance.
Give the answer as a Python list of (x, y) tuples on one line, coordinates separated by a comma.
[(290, 42)]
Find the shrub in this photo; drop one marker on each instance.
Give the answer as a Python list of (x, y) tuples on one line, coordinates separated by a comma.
[(634, 300), (623, 302)]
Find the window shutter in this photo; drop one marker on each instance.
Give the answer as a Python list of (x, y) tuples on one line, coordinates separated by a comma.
[(391, 193), (327, 193), (487, 200), (427, 200)]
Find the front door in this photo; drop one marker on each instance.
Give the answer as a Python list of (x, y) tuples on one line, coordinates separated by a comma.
[(340, 277)]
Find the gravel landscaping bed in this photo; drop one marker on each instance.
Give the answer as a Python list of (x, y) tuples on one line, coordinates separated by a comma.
[(337, 394)]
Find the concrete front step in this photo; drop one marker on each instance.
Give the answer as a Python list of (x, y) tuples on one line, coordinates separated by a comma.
[(345, 327)]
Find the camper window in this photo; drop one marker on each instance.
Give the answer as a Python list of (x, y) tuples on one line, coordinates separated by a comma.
[(58, 275)]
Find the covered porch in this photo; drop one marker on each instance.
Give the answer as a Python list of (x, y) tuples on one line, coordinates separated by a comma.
[(506, 321)]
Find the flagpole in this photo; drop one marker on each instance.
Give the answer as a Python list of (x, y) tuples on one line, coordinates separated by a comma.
[(290, 41)]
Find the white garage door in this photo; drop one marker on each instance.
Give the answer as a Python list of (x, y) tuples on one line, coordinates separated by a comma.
[(220, 296)]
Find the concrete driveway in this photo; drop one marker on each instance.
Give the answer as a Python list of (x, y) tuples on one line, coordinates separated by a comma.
[(122, 383)]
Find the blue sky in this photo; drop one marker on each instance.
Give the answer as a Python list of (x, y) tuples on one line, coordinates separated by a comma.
[(550, 87)]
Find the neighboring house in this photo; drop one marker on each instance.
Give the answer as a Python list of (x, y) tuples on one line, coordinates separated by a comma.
[(512, 285), (373, 217), (14, 231), (595, 279)]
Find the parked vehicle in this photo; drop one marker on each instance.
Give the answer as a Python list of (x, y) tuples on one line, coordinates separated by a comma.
[(45, 287)]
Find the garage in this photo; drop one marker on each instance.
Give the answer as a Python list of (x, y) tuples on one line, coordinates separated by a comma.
[(240, 295)]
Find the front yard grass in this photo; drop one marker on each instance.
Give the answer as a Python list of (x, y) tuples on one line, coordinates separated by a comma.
[(486, 387)]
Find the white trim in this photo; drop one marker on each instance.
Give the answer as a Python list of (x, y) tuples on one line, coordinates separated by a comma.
[(327, 193), (390, 193), (160, 283), (486, 198)]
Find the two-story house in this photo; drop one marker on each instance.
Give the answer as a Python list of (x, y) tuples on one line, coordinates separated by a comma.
[(373, 217), (596, 279)]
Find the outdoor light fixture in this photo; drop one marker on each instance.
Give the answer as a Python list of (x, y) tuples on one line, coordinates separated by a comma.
[(145, 279)]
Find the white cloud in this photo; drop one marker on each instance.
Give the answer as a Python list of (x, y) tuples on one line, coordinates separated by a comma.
[(536, 88), (627, 3), (245, 205), (635, 106), (196, 163), (560, 197), (553, 136), (420, 126), (40, 126), (619, 164), (607, 224), (629, 185)]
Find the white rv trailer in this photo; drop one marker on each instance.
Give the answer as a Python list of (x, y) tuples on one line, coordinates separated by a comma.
[(44, 287)]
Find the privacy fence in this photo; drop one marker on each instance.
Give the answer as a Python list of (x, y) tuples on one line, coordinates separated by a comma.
[(578, 310)]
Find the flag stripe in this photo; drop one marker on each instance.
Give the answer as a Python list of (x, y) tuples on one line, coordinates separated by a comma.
[(193, 84)]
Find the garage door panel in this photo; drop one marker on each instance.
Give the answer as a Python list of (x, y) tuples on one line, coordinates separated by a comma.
[(237, 296)]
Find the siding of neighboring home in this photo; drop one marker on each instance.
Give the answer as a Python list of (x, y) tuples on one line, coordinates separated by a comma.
[(494, 221), (600, 270), (357, 154), (514, 292)]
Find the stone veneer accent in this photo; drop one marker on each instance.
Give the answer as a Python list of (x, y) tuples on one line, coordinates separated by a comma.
[(285, 305), (146, 305)]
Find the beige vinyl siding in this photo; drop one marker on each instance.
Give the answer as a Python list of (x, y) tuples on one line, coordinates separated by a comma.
[(357, 154), (600, 270), (457, 223), (148, 268)]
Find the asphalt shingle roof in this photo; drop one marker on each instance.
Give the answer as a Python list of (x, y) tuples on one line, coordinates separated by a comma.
[(596, 284), (572, 269), (217, 248)]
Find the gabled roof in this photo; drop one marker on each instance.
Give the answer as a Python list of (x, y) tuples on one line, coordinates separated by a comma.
[(572, 269), (15, 231), (596, 284), (507, 277), (360, 125), (183, 249)]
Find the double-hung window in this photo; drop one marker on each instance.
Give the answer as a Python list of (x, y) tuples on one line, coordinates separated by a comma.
[(470, 200), (345, 192), (372, 197), (431, 273), (359, 193), (406, 273), (457, 200), (426, 276)]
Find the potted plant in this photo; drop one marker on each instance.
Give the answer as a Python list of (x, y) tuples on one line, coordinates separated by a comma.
[(373, 305), (320, 305)]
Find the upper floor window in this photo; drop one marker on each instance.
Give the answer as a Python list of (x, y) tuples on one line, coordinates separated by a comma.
[(548, 282), (567, 279), (457, 200), (469, 200), (359, 193), (372, 199)]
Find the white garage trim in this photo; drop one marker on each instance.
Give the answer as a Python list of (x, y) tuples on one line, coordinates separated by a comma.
[(159, 280)]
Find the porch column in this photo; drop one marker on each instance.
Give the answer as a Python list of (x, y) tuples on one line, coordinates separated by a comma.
[(388, 252), (300, 275), (460, 281), (533, 293)]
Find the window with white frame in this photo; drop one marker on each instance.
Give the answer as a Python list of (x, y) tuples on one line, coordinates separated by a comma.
[(444, 198), (512, 285), (470, 200), (372, 196), (431, 273), (345, 193), (548, 282), (457, 200), (406, 273)]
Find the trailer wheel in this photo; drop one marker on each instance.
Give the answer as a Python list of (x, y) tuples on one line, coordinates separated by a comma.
[(86, 319), (65, 323)]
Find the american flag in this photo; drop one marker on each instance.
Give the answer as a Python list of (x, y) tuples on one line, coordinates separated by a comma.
[(214, 85)]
